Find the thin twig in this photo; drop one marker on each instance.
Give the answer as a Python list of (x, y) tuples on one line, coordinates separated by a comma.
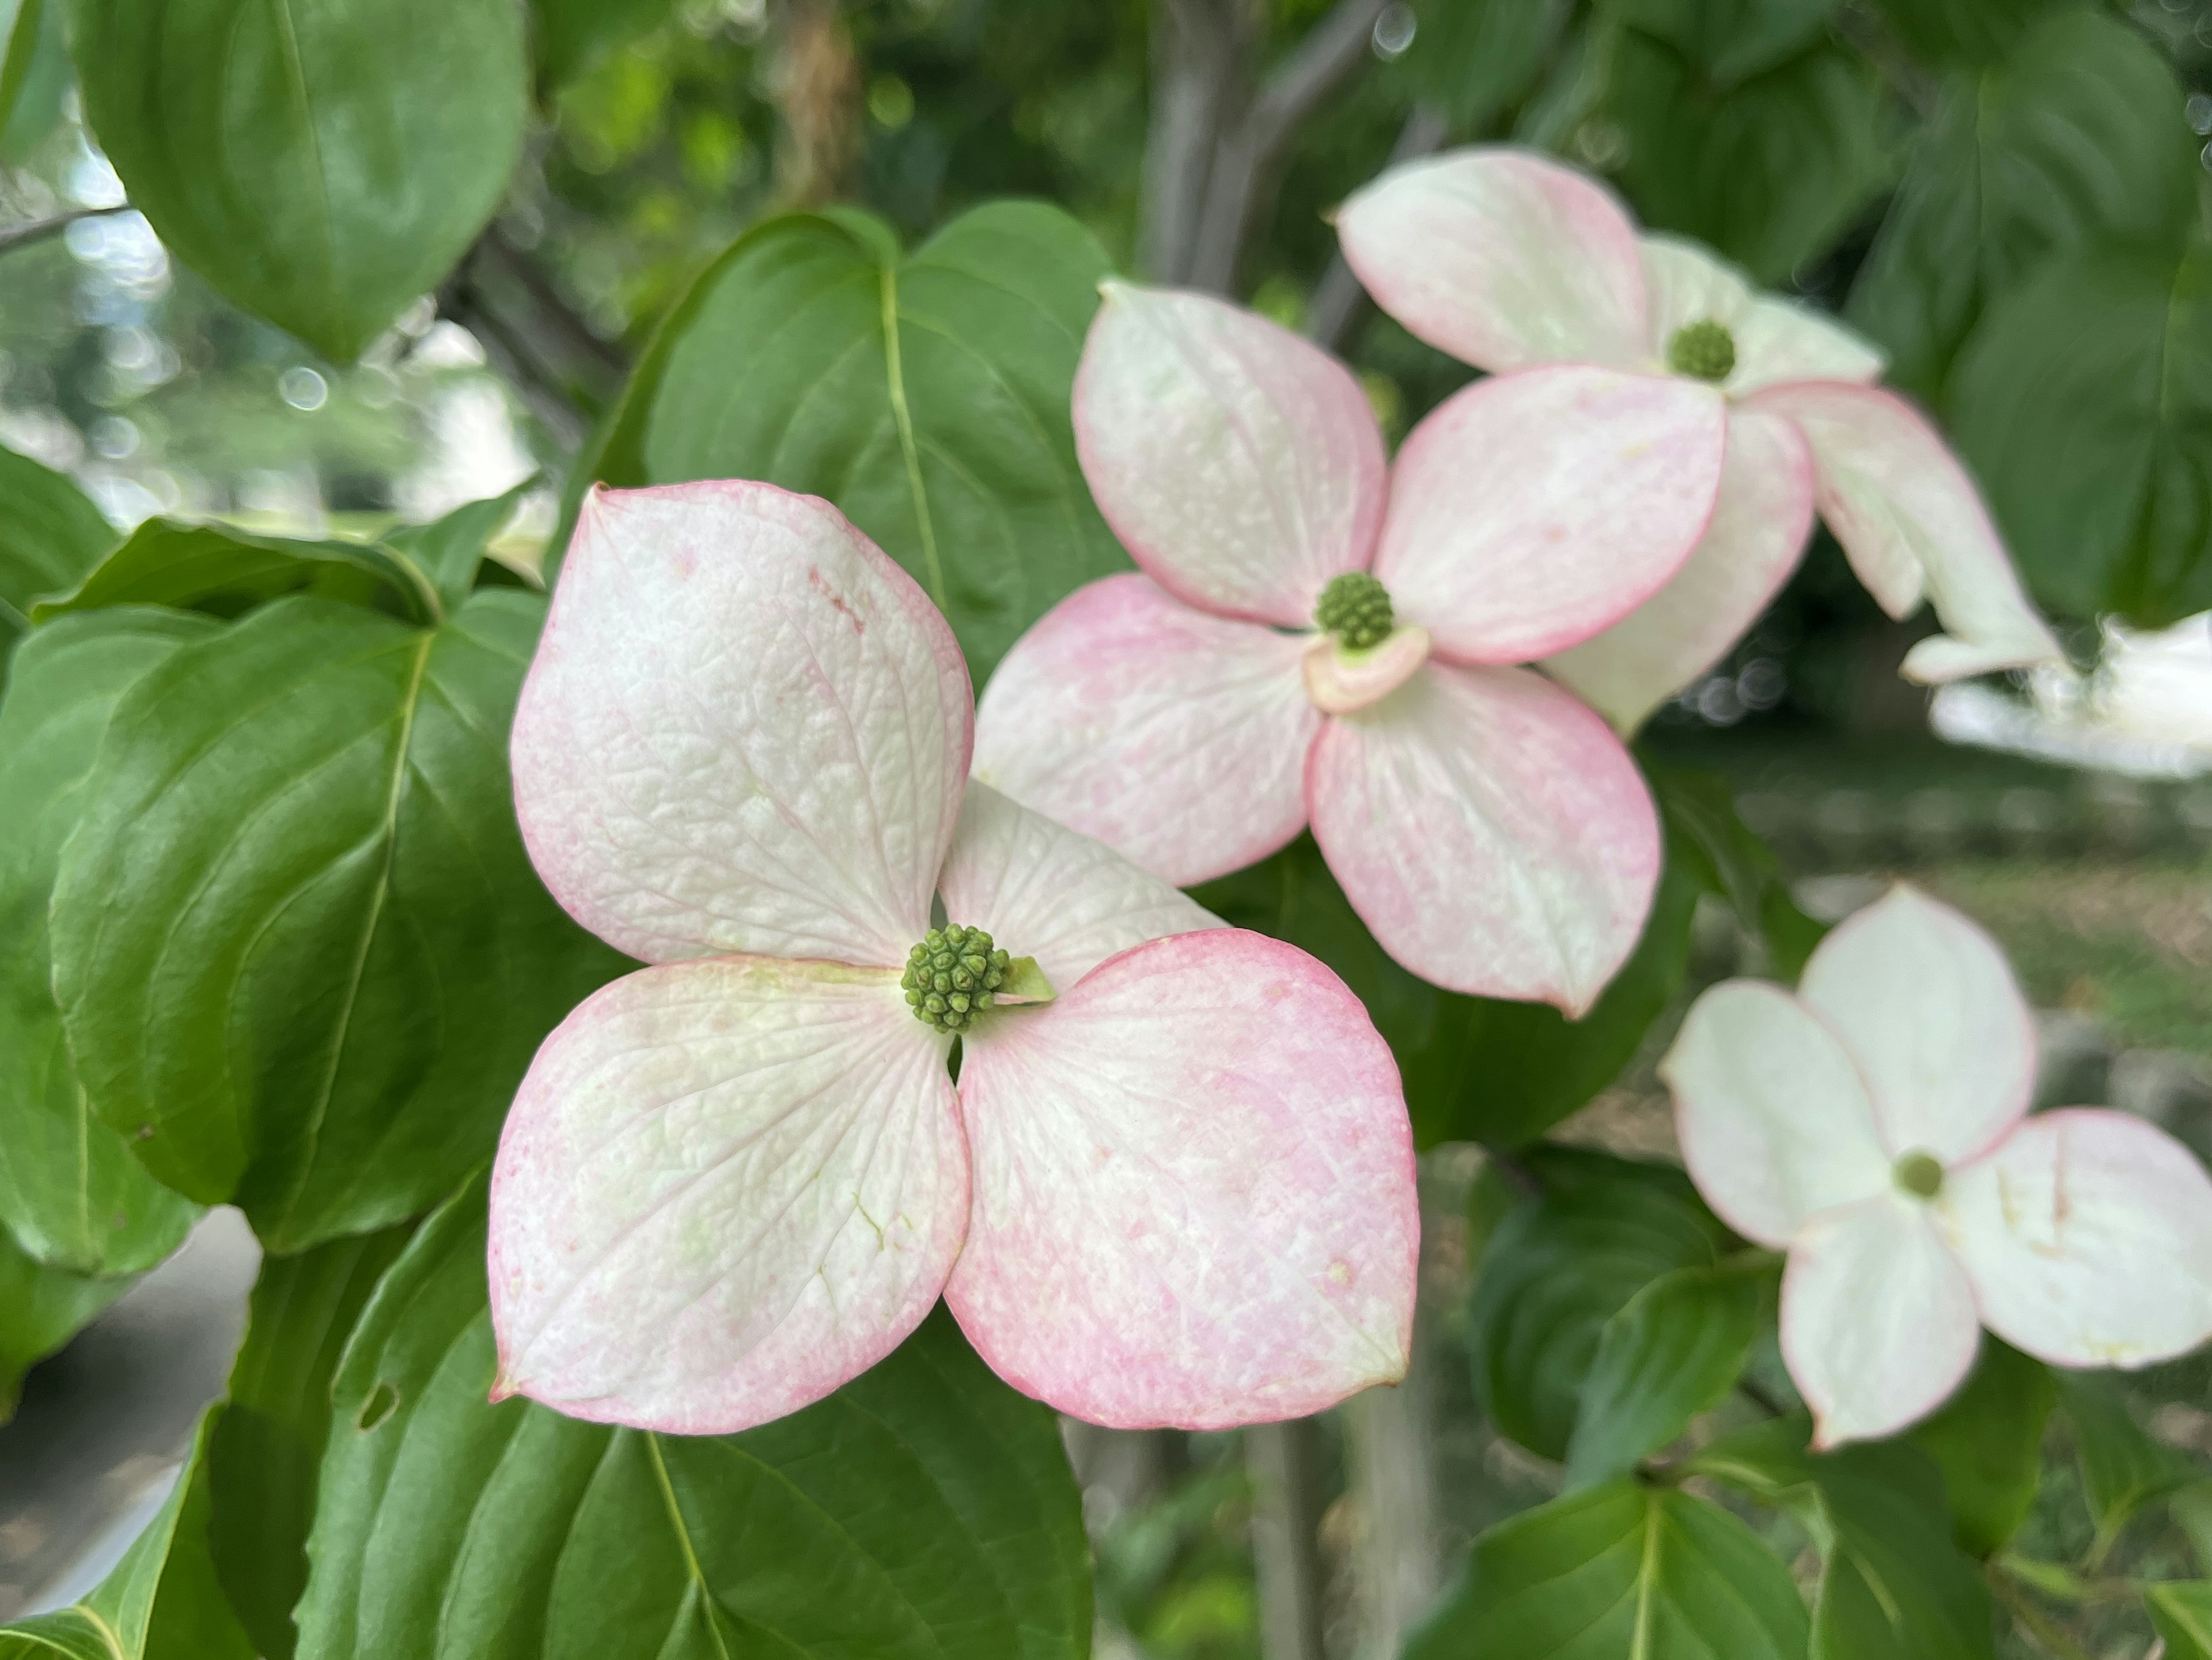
[(38, 230), (1338, 298)]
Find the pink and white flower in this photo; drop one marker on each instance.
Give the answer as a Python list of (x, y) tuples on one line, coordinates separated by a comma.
[(1174, 1183), (1874, 1126), (1319, 636), (1508, 261)]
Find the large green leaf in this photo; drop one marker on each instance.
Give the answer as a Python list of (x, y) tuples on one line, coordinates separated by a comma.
[(225, 571), (1988, 1441), (2182, 1612), (50, 537), (567, 37), (925, 1510), (2075, 138), (34, 74), (1640, 1572), (450, 552), (928, 396), (2123, 1467), (322, 163), (40, 1309), (70, 1189), (337, 961), (1960, 31), (1479, 58), (2084, 401), (1727, 41)]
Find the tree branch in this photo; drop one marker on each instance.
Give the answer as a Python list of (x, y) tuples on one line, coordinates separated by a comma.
[(38, 230), (1338, 298), (564, 371), (1285, 1536), (1199, 51)]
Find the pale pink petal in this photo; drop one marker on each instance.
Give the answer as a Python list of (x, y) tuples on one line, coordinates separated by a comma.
[(1193, 1182), (1501, 257), (1177, 738), (1911, 523), (726, 1187), (1775, 339), (1773, 1120), (1529, 511), (1241, 466), (2088, 1237), (1491, 831), (1877, 1322), (745, 730), (1927, 1008), (1040, 890), (1759, 528), (1339, 680)]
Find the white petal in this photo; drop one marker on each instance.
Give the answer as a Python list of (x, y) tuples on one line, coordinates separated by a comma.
[(1775, 339)]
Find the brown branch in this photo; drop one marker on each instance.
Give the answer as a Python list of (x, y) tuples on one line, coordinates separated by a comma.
[(1199, 48), (563, 370), (38, 230)]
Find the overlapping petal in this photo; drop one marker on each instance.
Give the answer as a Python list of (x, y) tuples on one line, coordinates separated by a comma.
[(745, 730), (1911, 523), (1194, 1190), (1240, 465), (1043, 891), (1530, 511), (2087, 1236), (1501, 257), (1491, 831), (1774, 1121), (1775, 339), (1928, 1008), (724, 1188), (1177, 738), (1759, 529), (1878, 1322)]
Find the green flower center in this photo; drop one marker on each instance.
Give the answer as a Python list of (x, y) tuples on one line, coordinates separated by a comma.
[(1919, 1175), (1703, 350), (952, 977), (1356, 609)]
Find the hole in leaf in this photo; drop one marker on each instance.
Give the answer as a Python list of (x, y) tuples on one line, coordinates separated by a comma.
[(383, 1401)]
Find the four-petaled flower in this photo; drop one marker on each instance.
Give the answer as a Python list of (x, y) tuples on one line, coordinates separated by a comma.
[(1507, 260), (1874, 1126), (1490, 829), (1174, 1183)]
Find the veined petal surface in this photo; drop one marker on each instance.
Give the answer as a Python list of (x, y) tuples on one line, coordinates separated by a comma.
[(746, 730), (1774, 1121), (726, 1187), (2088, 1237), (1241, 466), (1491, 831), (1194, 1181), (1502, 257), (1775, 339), (1177, 738), (1532, 510)]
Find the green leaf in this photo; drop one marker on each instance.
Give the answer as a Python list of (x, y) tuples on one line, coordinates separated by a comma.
[(2084, 402), (225, 572), (1727, 41), (927, 397), (925, 1510), (2074, 138), (450, 552), (2122, 1468), (1479, 57), (35, 75), (1674, 1350), (1988, 1441), (1554, 1272), (40, 1309), (1960, 31), (2181, 1612), (1892, 1585), (1620, 1569), (337, 961), (570, 36), (159, 1602), (266, 1451), (321, 162), (1702, 820), (50, 537), (70, 1189)]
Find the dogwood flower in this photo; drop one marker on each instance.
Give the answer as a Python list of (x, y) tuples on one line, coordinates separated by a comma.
[(1318, 635), (1874, 1126), (1507, 260), (1175, 1183)]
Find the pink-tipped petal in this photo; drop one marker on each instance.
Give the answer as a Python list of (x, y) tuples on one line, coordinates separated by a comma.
[(1927, 1008), (726, 1187), (1501, 257), (1043, 891), (745, 730), (1340, 681), (1193, 1182), (1177, 738), (2088, 1237), (1759, 528), (1530, 511), (1492, 831), (1775, 339), (1241, 466), (1774, 1121), (1911, 523), (1877, 1322)]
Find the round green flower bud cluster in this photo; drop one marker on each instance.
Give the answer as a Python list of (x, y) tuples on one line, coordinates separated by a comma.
[(1356, 608), (951, 977), (1704, 351)]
